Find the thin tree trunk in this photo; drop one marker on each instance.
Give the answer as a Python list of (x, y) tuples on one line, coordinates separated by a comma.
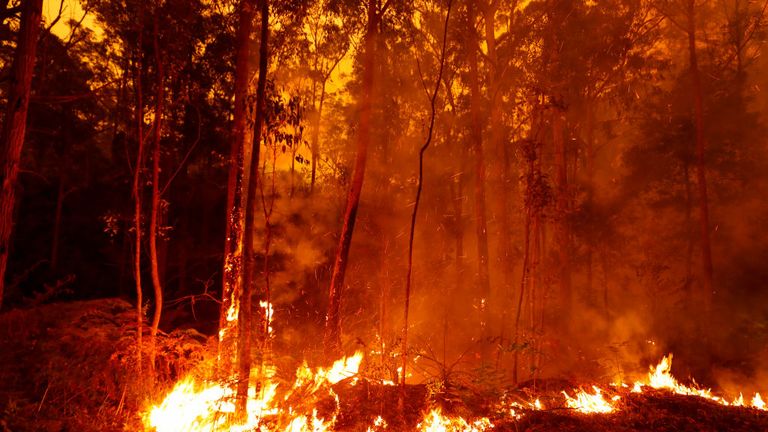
[(332, 335), (420, 184), (590, 174), (155, 211), (232, 273), (689, 228), (137, 196), (521, 294), (476, 136), (245, 316), (701, 170), (562, 233), (502, 167), (15, 123)]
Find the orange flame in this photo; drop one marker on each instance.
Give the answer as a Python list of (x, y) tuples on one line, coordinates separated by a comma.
[(589, 403), (435, 421), (209, 406)]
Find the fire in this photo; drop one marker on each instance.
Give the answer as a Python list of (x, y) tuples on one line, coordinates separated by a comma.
[(435, 421), (590, 403), (378, 424), (190, 408), (194, 406), (209, 406), (660, 377), (757, 402)]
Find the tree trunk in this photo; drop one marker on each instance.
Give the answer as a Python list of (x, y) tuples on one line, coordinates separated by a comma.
[(245, 316), (15, 123), (232, 271), (476, 139), (332, 321), (562, 231), (419, 187), (155, 211), (502, 176), (701, 170), (137, 198)]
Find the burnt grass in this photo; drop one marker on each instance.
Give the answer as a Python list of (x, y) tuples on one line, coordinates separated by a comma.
[(67, 367)]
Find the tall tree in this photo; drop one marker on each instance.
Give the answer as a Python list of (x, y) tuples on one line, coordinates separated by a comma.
[(156, 205), (332, 320), (15, 122), (476, 143), (246, 296), (136, 189), (234, 229), (701, 169)]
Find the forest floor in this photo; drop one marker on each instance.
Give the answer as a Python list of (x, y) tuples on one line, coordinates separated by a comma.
[(66, 367)]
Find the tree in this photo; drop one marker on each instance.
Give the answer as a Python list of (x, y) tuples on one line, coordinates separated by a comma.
[(156, 204), (476, 143), (136, 190), (245, 315), (332, 321), (232, 274), (701, 170), (14, 123)]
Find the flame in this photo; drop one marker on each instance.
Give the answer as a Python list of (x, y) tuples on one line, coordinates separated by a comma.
[(378, 424), (757, 402), (589, 403), (435, 421), (194, 406), (191, 408), (660, 377), (209, 406)]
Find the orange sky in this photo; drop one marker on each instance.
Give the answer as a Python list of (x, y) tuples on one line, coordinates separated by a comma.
[(71, 10)]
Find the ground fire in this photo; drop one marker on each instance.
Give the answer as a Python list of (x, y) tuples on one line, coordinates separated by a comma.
[(383, 215)]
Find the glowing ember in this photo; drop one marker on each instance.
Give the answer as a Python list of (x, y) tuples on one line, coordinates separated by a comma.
[(436, 422), (589, 403)]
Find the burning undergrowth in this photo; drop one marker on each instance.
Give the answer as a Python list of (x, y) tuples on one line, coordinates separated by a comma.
[(343, 398)]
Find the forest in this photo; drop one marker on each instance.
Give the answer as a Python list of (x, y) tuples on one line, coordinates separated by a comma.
[(369, 215)]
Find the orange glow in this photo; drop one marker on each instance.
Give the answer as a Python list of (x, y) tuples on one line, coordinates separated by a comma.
[(209, 406), (589, 403), (435, 421)]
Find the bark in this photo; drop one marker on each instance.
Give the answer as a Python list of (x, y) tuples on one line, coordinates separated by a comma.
[(155, 211), (701, 170), (476, 140), (332, 321), (562, 230), (232, 271), (15, 123), (244, 317)]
